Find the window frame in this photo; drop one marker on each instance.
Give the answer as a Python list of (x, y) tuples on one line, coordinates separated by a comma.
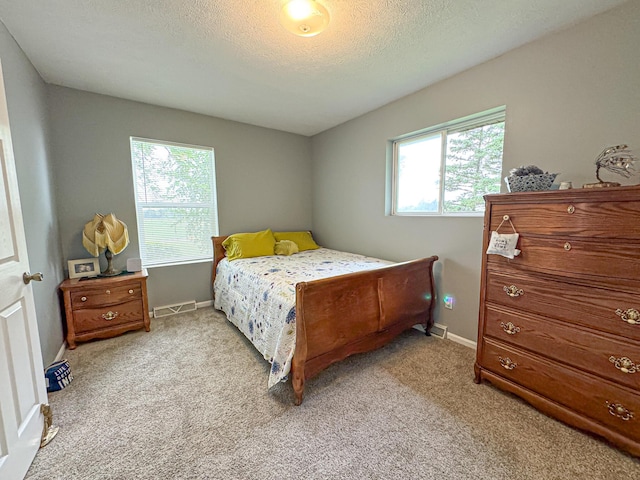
[(139, 205), (487, 117)]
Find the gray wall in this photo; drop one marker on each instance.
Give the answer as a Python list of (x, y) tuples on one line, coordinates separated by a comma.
[(568, 96), (263, 176), (26, 102)]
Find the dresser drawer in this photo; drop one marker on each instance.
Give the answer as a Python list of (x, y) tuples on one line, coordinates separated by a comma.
[(91, 319), (567, 218), (109, 295), (560, 255), (615, 359), (598, 308), (612, 405)]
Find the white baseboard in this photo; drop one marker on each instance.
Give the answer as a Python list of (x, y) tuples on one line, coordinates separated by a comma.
[(451, 336), (60, 354), (462, 341)]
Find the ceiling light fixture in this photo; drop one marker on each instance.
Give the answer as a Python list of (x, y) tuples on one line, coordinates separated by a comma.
[(305, 18)]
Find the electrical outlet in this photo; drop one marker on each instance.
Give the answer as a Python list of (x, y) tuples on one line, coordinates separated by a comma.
[(448, 302)]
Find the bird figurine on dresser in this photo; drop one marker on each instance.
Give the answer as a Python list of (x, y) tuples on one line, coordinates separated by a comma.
[(618, 159)]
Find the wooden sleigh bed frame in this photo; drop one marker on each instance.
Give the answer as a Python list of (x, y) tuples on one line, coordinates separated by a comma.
[(354, 313)]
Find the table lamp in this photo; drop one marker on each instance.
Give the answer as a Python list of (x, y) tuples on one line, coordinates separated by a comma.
[(105, 232)]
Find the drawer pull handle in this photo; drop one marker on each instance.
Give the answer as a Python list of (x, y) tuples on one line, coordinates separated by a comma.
[(513, 291), (507, 363), (631, 316), (130, 290), (510, 328), (109, 315), (84, 299), (567, 246), (571, 209), (108, 292), (624, 364), (620, 411)]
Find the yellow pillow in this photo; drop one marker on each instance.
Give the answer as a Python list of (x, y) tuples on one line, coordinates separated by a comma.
[(286, 247), (303, 239), (248, 245)]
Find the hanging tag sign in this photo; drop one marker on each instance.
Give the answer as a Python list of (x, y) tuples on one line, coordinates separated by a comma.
[(504, 243)]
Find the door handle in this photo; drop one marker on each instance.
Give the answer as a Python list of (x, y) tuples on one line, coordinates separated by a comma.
[(27, 277)]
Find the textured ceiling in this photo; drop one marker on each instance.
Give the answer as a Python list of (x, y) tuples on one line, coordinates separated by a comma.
[(232, 59)]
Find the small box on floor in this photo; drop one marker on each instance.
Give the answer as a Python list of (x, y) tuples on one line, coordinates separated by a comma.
[(57, 376)]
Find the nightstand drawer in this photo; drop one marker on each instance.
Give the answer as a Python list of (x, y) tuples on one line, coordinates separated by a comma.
[(109, 295), (96, 318)]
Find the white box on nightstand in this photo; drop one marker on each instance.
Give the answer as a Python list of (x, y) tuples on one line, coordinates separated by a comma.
[(134, 265)]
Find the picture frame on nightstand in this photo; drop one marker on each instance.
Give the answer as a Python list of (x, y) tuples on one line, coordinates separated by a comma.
[(84, 267)]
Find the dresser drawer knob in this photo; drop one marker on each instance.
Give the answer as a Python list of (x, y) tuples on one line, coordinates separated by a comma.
[(84, 299), (507, 363), (567, 246), (624, 364), (108, 292), (109, 315), (510, 328), (620, 411), (513, 291), (631, 316), (571, 209), (130, 290)]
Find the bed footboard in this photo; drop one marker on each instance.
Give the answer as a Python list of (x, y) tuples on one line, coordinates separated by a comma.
[(358, 312)]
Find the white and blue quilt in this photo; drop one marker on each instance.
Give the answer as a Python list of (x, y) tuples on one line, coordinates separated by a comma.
[(259, 297)]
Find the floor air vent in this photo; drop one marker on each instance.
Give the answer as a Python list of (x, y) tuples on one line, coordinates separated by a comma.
[(167, 310), (439, 330)]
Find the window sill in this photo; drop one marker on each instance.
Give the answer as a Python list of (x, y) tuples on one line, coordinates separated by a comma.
[(177, 264), (440, 215)]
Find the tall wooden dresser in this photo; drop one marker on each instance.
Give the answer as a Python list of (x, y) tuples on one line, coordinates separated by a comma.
[(560, 323)]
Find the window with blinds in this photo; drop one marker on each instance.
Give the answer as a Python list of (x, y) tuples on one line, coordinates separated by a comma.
[(176, 206)]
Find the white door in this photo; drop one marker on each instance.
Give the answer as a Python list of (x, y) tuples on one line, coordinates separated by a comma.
[(22, 389)]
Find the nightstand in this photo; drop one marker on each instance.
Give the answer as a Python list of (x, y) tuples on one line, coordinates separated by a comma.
[(104, 307)]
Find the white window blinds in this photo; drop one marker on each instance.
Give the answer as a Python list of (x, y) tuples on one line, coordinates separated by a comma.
[(175, 192)]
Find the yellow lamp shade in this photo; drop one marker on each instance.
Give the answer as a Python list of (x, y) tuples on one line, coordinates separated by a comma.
[(105, 232)]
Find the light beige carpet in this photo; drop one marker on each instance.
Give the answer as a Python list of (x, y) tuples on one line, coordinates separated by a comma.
[(189, 400)]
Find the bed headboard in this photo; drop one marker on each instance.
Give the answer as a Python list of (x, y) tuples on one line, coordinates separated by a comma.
[(218, 254)]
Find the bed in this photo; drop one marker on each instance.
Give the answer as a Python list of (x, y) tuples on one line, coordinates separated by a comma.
[(306, 311)]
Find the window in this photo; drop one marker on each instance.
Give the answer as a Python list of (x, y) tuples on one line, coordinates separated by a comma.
[(175, 190), (446, 170)]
